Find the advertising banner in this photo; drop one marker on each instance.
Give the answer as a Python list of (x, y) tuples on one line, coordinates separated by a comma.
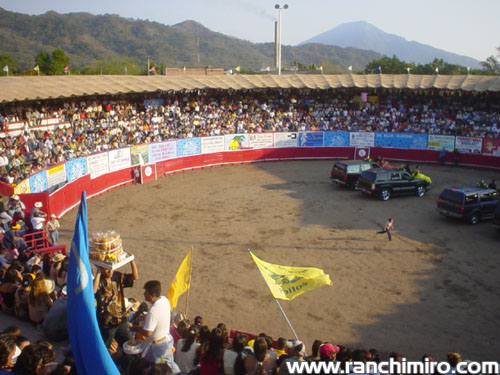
[(139, 154), (336, 139), (437, 142), (286, 140), (119, 159), (162, 151), (235, 142), (261, 140), (311, 139), (97, 164), (76, 168), (491, 146), (361, 139), (56, 175), (38, 182), (153, 102), (212, 144), (361, 153), (469, 145), (23, 187), (188, 146), (401, 140)]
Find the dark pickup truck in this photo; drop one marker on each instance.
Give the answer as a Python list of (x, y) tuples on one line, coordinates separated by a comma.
[(347, 172), (385, 183), (469, 203)]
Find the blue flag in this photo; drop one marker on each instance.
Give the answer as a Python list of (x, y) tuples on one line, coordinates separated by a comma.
[(89, 351)]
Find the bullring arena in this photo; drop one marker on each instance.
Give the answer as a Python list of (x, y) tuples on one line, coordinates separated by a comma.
[(434, 288)]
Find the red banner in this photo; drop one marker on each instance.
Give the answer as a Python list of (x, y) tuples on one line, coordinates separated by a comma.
[(491, 146), (148, 173)]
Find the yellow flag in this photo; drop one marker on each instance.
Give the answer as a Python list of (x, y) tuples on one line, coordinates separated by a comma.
[(288, 282), (238, 68), (181, 282)]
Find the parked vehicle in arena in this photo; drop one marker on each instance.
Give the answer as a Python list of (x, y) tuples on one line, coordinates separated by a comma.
[(496, 218), (347, 172), (385, 183), (470, 203)]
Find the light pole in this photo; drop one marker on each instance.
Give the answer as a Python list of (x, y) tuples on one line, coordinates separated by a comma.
[(277, 6)]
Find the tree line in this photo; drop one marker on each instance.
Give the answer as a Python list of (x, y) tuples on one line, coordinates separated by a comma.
[(58, 63)]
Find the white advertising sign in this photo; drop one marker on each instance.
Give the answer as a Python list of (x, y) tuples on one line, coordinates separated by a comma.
[(261, 140), (97, 164), (119, 159), (162, 151), (361, 139), (212, 144), (437, 142), (286, 140), (469, 144)]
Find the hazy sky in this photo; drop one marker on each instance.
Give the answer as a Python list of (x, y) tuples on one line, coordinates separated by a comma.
[(470, 28)]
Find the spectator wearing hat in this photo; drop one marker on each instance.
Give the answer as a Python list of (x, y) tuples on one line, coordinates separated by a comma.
[(327, 352), (296, 354), (15, 206), (57, 260), (36, 211), (11, 237), (39, 298), (52, 228)]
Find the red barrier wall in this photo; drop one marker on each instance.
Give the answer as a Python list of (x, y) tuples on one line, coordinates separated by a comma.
[(68, 196)]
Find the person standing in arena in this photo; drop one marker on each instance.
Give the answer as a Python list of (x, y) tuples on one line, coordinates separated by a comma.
[(159, 342), (387, 228)]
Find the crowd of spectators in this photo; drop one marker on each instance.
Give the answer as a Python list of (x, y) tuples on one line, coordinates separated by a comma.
[(102, 123)]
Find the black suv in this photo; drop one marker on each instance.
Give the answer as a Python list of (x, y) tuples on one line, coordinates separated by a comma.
[(469, 203), (385, 183), (347, 172)]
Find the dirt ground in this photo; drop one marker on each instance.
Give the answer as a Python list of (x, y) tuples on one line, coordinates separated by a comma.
[(434, 288)]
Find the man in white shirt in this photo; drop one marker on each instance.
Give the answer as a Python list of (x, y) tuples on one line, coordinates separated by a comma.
[(159, 342)]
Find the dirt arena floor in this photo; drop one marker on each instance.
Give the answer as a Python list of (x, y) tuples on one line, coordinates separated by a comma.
[(434, 288)]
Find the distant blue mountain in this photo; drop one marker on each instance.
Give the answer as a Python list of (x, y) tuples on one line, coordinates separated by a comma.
[(363, 35)]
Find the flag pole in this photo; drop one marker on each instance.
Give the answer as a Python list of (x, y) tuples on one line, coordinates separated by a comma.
[(286, 318), (281, 308), (187, 294)]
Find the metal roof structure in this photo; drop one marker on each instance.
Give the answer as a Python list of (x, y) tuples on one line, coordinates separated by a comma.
[(26, 88)]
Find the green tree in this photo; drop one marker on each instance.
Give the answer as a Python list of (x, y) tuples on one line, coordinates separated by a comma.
[(491, 66), (59, 62), (43, 61), (7, 60)]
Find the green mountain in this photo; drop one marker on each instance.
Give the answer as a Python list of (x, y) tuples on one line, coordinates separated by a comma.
[(87, 39)]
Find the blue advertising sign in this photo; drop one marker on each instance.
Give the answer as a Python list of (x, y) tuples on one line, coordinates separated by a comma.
[(38, 182), (311, 139), (401, 140), (154, 102), (75, 169), (188, 146), (336, 139)]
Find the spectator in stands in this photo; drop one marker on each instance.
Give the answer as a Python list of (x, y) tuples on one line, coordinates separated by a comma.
[(260, 362), (15, 206), (314, 351), (33, 360), (39, 298), (37, 212), (4, 262), (5, 218), (55, 324), (11, 237), (234, 357), (296, 354), (7, 352), (52, 228), (21, 298), (108, 290), (211, 354), (198, 321), (185, 350), (57, 260), (11, 281)]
